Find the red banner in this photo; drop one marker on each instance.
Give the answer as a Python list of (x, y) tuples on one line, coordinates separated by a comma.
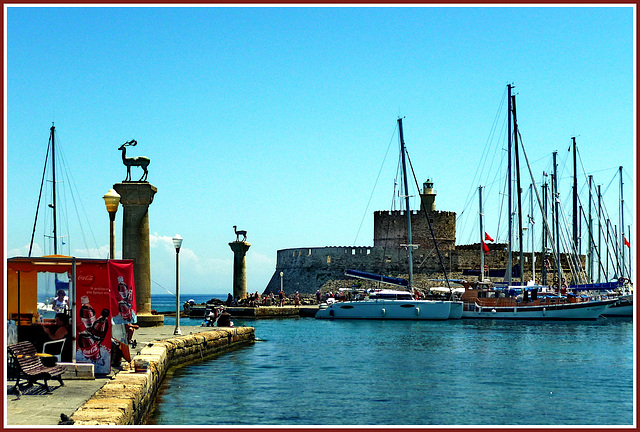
[(123, 293), (93, 316)]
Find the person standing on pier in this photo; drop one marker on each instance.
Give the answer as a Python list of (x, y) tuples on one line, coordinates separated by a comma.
[(281, 295), (296, 299)]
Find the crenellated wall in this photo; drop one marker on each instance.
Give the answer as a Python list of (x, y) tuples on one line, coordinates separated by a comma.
[(390, 229), (309, 269)]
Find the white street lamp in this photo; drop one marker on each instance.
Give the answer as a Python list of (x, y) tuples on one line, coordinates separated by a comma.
[(112, 200), (177, 242)]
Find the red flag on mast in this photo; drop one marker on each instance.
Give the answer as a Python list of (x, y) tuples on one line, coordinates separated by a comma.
[(626, 243), (487, 237), (485, 247)]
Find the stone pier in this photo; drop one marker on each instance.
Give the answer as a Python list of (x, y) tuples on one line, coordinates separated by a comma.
[(135, 198), (239, 268)]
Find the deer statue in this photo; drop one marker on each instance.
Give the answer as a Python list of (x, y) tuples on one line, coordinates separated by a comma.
[(141, 161), (240, 233)]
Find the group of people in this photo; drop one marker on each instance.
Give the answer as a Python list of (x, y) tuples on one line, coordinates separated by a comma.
[(256, 300), (60, 327)]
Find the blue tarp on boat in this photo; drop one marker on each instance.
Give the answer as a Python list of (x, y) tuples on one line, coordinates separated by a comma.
[(604, 286), (378, 278)]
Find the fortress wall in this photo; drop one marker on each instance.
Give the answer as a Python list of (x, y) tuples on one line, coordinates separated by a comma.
[(308, 269), (390, 229)]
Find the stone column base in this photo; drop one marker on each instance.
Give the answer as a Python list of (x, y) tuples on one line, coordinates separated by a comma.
[(150, 320)]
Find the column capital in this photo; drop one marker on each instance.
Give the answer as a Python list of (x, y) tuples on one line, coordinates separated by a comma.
[(135, 193), (239, 247)]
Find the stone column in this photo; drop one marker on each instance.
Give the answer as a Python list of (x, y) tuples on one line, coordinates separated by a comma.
[(135, 198), (239, 268)]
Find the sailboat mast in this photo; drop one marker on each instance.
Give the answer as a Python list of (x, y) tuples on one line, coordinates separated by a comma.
[(481, 214), (599, 231), (545, 234), (533, 246), (408, 211), (509, 248), (590, 256), (622, 267), (53, 173), (575, 200), (556, 211), (519, 189)]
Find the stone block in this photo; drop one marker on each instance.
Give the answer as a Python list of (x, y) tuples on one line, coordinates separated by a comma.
[(78, 371)]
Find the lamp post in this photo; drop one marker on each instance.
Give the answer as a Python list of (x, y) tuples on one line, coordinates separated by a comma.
[(177, 242), (112, 200), (281, 283)]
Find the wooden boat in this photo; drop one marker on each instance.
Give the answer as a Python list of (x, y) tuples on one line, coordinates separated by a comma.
[(516, 302)]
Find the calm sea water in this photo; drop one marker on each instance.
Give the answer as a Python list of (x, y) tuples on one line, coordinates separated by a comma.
[(468, 372)]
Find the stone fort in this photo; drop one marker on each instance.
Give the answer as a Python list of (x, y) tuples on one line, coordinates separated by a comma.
[(309, 269)]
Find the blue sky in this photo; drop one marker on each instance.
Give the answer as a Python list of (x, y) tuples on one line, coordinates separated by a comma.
[(278, 119)]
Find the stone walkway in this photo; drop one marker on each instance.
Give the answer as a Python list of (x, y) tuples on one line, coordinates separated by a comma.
[(35, 407)]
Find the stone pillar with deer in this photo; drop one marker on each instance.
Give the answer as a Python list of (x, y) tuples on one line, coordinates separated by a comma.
[(135, 198), (239, 249)]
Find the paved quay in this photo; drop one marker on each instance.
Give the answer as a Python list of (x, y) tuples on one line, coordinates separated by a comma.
[(35, 407)]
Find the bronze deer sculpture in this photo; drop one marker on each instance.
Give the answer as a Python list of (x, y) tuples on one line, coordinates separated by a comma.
[(141, 161), (240, 233)]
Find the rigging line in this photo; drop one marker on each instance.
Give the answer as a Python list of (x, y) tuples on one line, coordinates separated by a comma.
[(485, 156), (609, 185), (591, 236), (44, 172), (545, 222), (465, 222), (163, 287), (383, 260), (501, 210), (68, 174), (374, 186), (614, 259), (485, 152), (433, 236), (574, 264)]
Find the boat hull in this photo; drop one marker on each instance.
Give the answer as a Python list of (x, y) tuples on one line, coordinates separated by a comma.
[(590, 310), (387, 310), (622, 308), (457, 308)]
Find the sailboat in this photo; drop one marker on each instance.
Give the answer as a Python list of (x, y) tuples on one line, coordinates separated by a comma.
[(619, 287), (530, 302), (392, 304), (46, 308)]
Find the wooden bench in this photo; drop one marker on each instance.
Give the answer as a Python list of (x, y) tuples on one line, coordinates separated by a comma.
[(26, 363)]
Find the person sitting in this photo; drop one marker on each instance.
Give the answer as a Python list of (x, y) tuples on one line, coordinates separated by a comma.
[(61, 302), (130, 328), (59, 329)]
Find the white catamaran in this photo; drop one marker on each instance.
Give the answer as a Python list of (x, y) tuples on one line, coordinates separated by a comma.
[(392, 304)]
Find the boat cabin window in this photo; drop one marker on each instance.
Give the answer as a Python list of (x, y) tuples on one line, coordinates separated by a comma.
[(392, 296)]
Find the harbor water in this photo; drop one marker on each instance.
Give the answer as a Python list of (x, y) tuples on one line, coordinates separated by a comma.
[(304, 371)]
